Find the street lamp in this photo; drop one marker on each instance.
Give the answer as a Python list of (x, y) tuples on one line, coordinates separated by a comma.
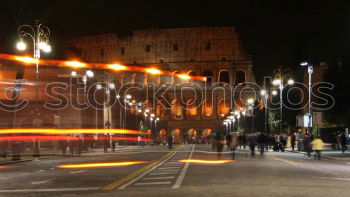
[(39, 34), (280, 76), (250, 102), (310, 70)]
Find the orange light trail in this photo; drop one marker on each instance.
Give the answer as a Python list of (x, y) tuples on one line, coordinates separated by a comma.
[(112, 67), (101, 165), (205, 161), (46, 138), (69, 131)]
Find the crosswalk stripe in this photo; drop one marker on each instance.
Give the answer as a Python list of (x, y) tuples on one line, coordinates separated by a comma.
[(166, 168), (160, 177), (162, 173), (155, 183)]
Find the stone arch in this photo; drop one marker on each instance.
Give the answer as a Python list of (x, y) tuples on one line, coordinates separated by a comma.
[(163, 135), (207, 108), (209, 75), (175, 79), (192, 73), (240, 77), (223, 107), (176, 109), (161, 109), (191, 108), (224, 77), (177, 136)]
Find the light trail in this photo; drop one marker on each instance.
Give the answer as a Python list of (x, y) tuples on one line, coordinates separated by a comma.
[(101, 165), (46, 138), (198, 161), (112, 67), (69, 131)]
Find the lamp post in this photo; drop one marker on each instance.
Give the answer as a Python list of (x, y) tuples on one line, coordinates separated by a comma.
[(39, 34), (310, 70), (250, 102), (281, 75)]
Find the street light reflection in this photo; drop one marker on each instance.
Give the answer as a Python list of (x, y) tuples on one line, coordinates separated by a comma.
[(101, 165), (198, 161)]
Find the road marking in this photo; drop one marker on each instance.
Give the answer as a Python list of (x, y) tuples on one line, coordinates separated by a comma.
[(161, 173), (160, 177), (168, 168), (183, 172), (50, 190), (288, 161), (41, 182), (40, 170), (155, 183), (24, 174), (75, 172), (341, 179), (138, 174)]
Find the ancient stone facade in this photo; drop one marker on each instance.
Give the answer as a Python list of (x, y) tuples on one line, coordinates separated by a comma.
[(214, 52)]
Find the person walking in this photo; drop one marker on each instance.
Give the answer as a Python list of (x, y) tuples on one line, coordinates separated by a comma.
[(106, 143), (252, 142), (261, 139), (213, 141), (307, 145), (292, 141), (233, 144), (228, 141), (343, 142), (219, 146), (170, 141), (317, 145), (244, 141)]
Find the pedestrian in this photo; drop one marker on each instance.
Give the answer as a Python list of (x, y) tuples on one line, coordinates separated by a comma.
[(343, 142), (105, 143), (317, 145), (213, 141), (79, 145), (262, 140), (170, 141), (233, 144), (244, 141), (252, 142), (292, 141), (228, 141), (307, 145), (219, 146)]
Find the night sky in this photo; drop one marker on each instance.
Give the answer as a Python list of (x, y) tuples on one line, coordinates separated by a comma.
[(275, 32)]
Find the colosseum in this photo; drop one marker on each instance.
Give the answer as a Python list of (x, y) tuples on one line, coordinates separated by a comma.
[(182, 107)]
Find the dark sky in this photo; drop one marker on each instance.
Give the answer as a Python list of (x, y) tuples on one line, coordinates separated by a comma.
[(275, 32)]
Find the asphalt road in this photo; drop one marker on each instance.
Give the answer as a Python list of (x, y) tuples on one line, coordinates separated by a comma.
[(161, 174)]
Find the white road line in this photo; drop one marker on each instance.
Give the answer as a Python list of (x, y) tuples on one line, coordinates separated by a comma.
[(40, 170), (183, 172), (160, 177), (166, 168), (341, 179), (75, 172), (145, 173), (41, 182), (155, 183), (24, 174), (50, 190), (162, 173)]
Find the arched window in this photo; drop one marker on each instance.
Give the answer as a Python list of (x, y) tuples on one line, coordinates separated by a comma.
[(191, 108), (209, 75), (207, 108), (223, 107), (224, 77), (176, 79), (192, 73), (176, 108), (161, 109), (240, 77)]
